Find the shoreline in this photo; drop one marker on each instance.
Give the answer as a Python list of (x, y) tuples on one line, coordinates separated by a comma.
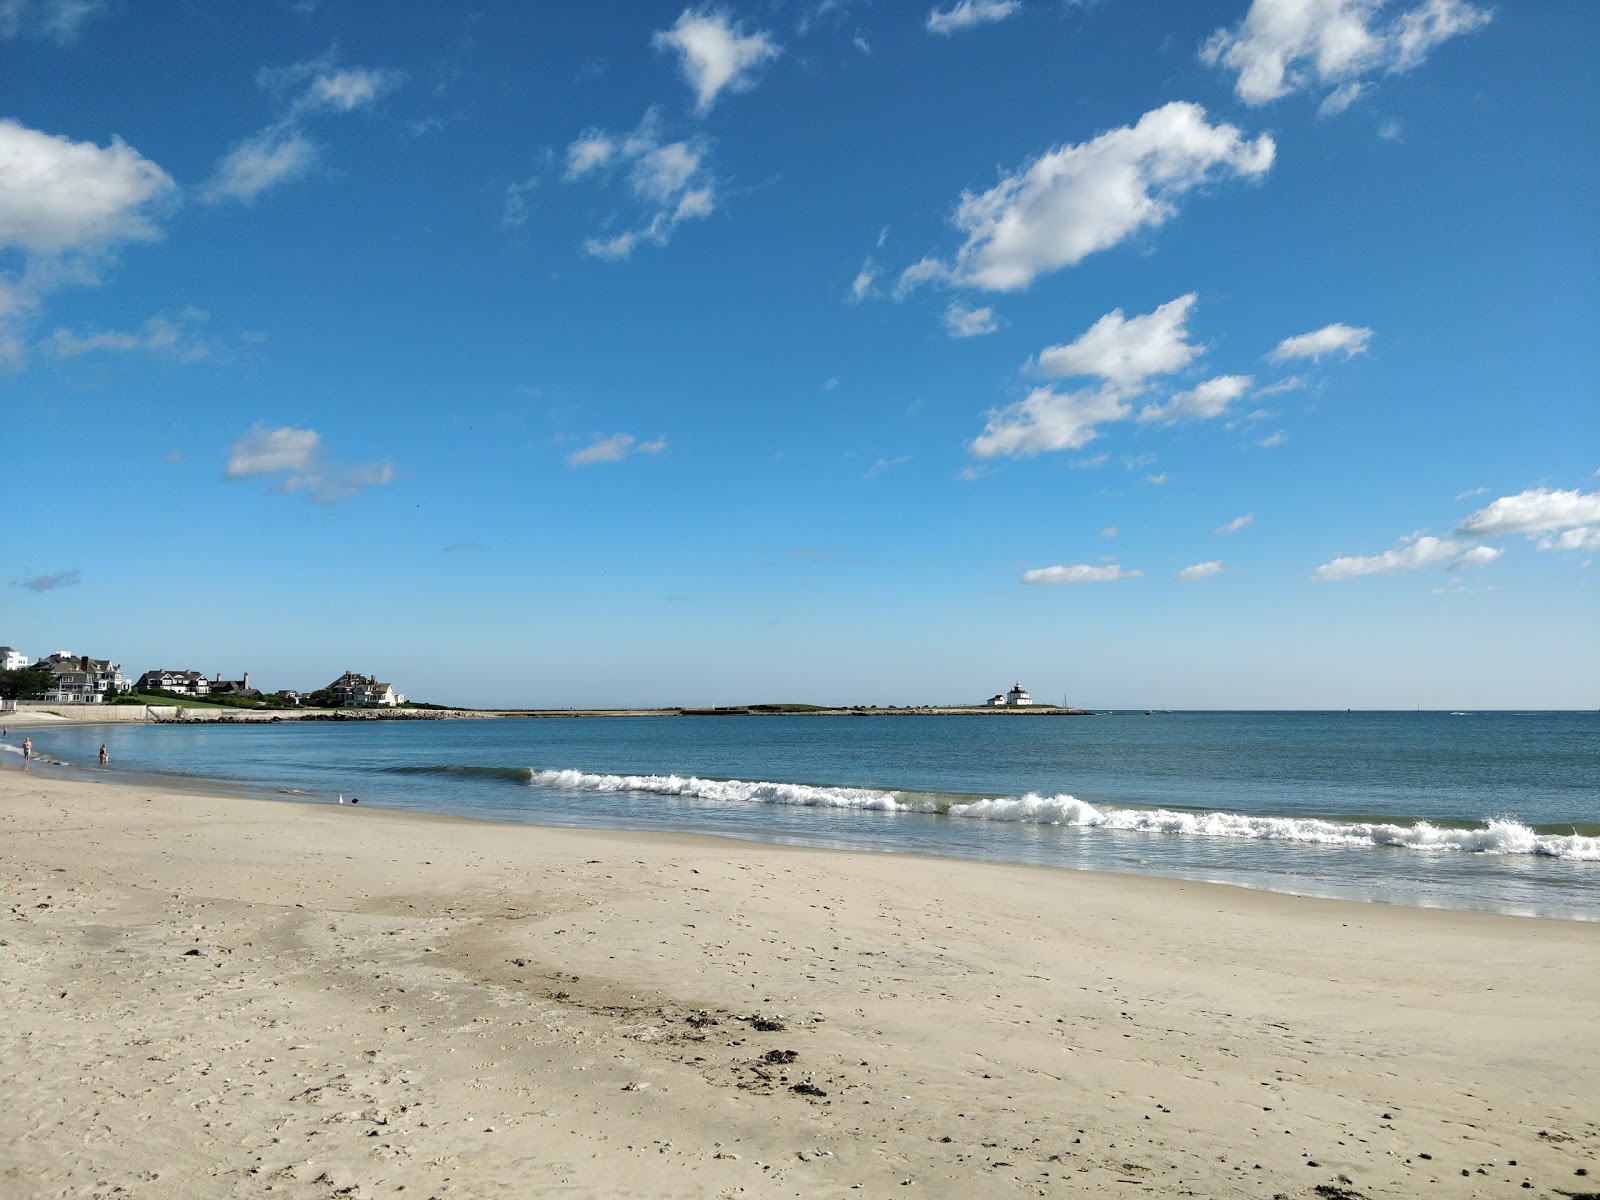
[(208, 993)]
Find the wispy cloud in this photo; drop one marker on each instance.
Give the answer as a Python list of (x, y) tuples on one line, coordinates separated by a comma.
[(970, 13), (1412, 552), (1077, 199), (282, 151), (1236, 524), (48, 583), (714, 54), (963, 322), (298, 458), (614, 449), (669, 181), (1077, 573), (1330, 339), (58, 21), (1203, 570), (883, 464), (177, 339)]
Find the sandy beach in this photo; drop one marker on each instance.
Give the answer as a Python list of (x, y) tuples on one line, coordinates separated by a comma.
[(216, 996)]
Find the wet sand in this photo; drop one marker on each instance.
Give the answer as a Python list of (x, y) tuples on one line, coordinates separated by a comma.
[(212, 996)]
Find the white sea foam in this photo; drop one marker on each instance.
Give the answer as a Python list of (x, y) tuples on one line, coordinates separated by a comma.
[(1497, 836), (734, 791)]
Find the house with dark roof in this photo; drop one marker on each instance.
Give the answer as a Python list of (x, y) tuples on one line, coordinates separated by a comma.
[(364, 691), (79, 679)]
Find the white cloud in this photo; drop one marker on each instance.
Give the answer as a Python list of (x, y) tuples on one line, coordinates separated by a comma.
[(1284, 45), (1077, 199), (1236, 524), (278, 154), (1339, 99), (65, 208), (1584, 537), (714, 54), (175, 339), (346, 90), (1203, 570), (1538, 510), (282, 151), (1048, 420), (54, 20), (61, 196), (1077, 573), (514, 215), (298, 456), (668, 181), (861, 286), (883, 464), (968, 13), (614, 449), (588, 151), (1412, 553), (962, 322), (1330, 339), (1125, 352), (1157, 480), (926, 270), (1292, 384), (1110, 531), (1274, 439), (1478, 556), (1209, 399)]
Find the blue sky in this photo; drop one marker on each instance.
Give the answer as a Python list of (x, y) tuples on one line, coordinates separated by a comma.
[(1185, 355)]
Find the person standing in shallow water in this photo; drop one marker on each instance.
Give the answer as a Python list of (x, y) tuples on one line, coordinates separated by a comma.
[(104, 757), (27, 750)]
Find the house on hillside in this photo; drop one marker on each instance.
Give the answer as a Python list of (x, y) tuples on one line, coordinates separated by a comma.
[(364, 691), (79, 679), (181, 683), (235, 687)]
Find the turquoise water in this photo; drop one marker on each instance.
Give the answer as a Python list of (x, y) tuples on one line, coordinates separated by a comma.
[(1481, 811)]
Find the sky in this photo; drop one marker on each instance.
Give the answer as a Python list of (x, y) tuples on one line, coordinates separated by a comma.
[(1233, 354)]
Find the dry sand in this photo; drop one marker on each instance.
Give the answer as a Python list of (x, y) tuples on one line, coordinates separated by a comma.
[(207, 996)]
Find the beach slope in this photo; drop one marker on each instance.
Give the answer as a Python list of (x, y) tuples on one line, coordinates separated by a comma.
[(213, 996)]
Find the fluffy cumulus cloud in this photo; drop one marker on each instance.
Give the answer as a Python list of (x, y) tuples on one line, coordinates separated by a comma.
[(1330, 339), (614, 449), (1282, 46), (1077, 199), (1538, 510), (299, 459), (1419, 550), (968, 13), (963, 322), (65, 209), (1126, 351), (1048, 420), (669, 182), (63, 197), (1077, 573), (172, 338), (1209, 399), (282, 151), (715, 55), (1123, 352), (1204, 570)]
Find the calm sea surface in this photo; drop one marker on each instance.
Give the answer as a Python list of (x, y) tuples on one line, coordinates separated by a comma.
[(1489, 811)]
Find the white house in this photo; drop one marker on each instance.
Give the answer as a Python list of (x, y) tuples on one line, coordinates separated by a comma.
[(1017, 698), (183, 683), (79, 679), (12, 660), (364, 691)]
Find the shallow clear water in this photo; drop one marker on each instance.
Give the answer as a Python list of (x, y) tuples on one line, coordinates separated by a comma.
[(1489, 811)]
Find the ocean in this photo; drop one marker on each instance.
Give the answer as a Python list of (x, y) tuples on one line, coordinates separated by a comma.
[(1496, 812)]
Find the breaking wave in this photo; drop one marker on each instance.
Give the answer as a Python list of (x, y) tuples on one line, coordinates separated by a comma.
[(1496, 836)]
